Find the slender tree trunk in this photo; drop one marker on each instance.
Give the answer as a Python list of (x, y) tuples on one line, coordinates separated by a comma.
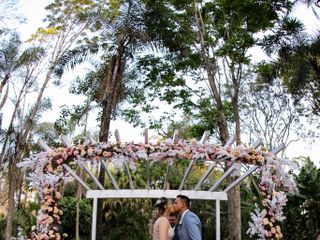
[(234, 208), (112, 85), (4, 82), (21, 144), (210, 68), (234, 196), (78, 197), (12, 179)]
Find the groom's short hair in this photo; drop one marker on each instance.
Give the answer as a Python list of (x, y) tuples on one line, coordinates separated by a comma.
[(185, 199)]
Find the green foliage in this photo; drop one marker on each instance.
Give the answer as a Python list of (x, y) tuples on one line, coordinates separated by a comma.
[(12, 56), (46, 132), (68, 206), (127, 219), (298, 68), (303, 208), (70, 118), (26, 216)]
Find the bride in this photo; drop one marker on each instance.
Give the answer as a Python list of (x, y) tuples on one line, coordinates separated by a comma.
[(161, 228)]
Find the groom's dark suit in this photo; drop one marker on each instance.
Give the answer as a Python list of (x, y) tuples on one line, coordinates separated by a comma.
[(189, 228)]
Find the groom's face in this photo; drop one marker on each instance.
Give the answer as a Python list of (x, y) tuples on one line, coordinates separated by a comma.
[(179, 205)]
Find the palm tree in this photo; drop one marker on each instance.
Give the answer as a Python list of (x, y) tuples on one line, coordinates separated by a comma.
[(16, 66), (124, 31)]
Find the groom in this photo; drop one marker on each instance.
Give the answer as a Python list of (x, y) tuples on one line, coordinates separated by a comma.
[(189, 226)]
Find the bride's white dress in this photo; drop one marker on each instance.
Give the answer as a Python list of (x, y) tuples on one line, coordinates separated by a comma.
[(155, 232)]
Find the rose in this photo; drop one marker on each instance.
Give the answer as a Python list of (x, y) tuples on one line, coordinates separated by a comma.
[(90, 151), (55, 210), (59, 169), (43, 237), (46, 191), (57, 195), (265, 221)]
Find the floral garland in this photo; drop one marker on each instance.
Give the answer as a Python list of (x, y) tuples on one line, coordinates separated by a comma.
[(265, 223), (48, 175)]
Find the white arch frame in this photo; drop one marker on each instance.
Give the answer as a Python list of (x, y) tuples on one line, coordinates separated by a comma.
[(152, 193)]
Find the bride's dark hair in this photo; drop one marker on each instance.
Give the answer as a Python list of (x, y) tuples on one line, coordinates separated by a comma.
[(161, 205)]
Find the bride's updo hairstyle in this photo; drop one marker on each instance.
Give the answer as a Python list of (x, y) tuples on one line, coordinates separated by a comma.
[(161, 205)]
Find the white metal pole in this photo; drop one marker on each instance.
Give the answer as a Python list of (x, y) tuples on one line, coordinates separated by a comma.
[(94, 219), (217, 219)]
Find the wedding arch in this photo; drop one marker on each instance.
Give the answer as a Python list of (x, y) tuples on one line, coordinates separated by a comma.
[(50, 168)]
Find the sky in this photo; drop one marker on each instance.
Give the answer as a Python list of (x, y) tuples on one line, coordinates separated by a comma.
[(34, 11)]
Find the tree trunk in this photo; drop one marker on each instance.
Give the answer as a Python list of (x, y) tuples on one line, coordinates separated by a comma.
[(112, 83), (234, 196), (4, 82), (234, 213), (12, 179), (210, 68), (20, 147), (234, 209), (78, 197)]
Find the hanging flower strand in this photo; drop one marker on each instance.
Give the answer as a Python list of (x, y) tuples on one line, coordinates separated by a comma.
[(265, 221)]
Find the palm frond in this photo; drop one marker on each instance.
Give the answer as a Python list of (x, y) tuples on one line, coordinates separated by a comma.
[(72, 58), (29, 56)]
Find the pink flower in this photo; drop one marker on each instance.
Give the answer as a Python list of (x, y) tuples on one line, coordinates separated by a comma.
[(264, 202), (43, 237), (58, 195)]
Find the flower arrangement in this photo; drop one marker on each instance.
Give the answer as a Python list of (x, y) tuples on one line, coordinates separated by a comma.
[(269, 212), (48, 174)]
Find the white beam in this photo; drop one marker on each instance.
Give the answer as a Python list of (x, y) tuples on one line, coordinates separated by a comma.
[(205, 175), (94, 219), (278, 148), (186, 173), (146, 137), (257, 143), (242, 177), (175, 136), (64, 139), (148, 173), (166, 176), (218, 220), (117, 136), (126, 167), (76, 176), (226, 174), (89, 139), (144, 193), (113, 181), (43, 145), (85, 167), (231, 140), (204, 137)]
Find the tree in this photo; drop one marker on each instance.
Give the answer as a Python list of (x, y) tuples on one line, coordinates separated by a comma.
[(215, 38), (124, 28), (60, 35), (298, 68), (302, 211), (15, 66), (268, 113)]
